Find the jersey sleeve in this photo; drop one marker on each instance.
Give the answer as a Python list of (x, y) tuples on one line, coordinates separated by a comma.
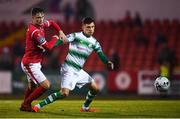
[(43, 43), (71, 37), (97, 48), (40, 39), (49, 23)]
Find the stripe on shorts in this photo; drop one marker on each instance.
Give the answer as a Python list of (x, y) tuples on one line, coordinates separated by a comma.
[(30, 73)]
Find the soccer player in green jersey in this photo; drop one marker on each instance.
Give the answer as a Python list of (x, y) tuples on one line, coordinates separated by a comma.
[(82, 44)]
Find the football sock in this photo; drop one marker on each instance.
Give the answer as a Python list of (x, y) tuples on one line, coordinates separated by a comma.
[(27, 93), (35, 94), (29, 90), (90, 96), (51, 98)]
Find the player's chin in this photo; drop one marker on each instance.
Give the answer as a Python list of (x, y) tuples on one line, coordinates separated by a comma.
[(90, 34), (40, 23)]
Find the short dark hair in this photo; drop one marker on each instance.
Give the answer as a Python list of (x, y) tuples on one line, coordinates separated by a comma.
[(87, 20), (36, 10)]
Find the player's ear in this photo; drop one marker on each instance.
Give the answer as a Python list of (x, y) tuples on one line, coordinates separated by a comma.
[(82, 27)]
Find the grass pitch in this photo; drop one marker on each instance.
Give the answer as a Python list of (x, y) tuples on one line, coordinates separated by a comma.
[(108, 109)]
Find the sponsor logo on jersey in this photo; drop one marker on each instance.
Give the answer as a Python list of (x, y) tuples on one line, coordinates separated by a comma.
[(81, 48)]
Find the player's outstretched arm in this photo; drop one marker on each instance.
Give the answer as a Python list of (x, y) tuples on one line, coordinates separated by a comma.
[(49, 23), (104, 59), (57, 28), (63, 37), (54, 42), (98, 50)]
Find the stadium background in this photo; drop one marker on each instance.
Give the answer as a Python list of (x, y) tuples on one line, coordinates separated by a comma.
[(116, 30)]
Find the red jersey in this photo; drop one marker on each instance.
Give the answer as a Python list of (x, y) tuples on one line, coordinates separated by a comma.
[(35, 37)]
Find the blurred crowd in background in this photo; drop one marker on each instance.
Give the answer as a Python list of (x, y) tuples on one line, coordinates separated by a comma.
[(132, 43), (139, 37)]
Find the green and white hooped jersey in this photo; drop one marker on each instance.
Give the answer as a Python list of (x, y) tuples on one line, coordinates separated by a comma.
[(80, 48)]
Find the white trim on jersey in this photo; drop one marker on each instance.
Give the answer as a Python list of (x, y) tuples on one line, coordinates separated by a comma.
[(33, 32), (47, 23), (44, 43)]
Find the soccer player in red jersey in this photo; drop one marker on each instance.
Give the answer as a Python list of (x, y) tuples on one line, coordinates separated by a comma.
[(31, 61)]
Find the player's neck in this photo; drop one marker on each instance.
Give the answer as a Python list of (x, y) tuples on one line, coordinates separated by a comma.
[(86, 35), (37, 25)]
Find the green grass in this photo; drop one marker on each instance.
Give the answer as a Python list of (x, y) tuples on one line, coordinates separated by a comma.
[(108, 108)]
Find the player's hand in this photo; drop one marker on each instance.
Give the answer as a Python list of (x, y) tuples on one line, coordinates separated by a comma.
[(110, 65), (63, 37)]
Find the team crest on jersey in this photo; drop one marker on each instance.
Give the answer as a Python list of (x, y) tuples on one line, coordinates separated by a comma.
[(81, 48), (41, 40), (90, 45), (68, 36)]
